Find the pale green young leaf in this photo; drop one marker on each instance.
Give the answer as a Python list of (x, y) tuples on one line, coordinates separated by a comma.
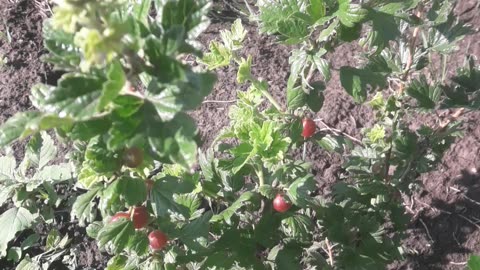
[(27, 264), (141, 9), (376, 134), (297, 61), (218, 56), (12, 221), (244, 70), (88, 177), (232, 40)]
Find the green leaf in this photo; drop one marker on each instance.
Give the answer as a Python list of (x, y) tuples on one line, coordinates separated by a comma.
[(14, 254), (335, 143), (355, 81), (174, 140), (76, 96), (298, 227), (297, 61), (233, 39), (141, 10), (427, 96), (187, 95), (93, 229), (13, 221), (268, 191), (316, 10), (468, 77), (244, 70), (83, 206), (316, 98), (138, 243), (30, 241), (474, 262), (163, 200), (230, 211), (15, 126), (217, 57), (286, 257), (384, 29), (27, 264), (190, 201), (293, 30), (350, 14), (192, 233), (7, 168), (299, 191), (376, 134), (322, 65), (134, 190), (116, 233), (296, 98), (112, 87), (85, 130)]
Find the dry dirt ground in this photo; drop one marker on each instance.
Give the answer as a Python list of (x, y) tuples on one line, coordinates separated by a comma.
[(443, 230)]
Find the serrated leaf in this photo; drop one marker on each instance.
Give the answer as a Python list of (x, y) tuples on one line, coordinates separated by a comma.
[(27, 264), (322, 65), (116, 233), (299, 191), (244, 70), (93, 229), (83, 206), (13, 221), (218, 56), (7, 168), (427, 96), (335, 143), (384, 29), (190, 201), (112, 87), (350, 14), (230, 211), (138, 243), (76, 96), (298, 227), (14, 127), (187, 95), (297, 62), (162, 196), (355, 81), (296, 98), (267, 191), (192, 233)]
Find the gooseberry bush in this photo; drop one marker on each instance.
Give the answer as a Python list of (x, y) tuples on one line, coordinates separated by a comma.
[(252, 202)]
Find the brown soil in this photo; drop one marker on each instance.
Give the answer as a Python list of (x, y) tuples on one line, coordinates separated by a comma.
[(443, 231)]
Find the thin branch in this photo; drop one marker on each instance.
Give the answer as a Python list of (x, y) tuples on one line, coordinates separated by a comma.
[(330, 252)]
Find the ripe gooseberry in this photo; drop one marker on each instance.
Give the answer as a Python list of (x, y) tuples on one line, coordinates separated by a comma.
[(140, 217), (280, 204), (157, 240), (309, 127)]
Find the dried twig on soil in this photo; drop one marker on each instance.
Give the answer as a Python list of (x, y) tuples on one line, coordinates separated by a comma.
[(338, 132), (450, 213), (426, 229), (218, 101), (465, 196)]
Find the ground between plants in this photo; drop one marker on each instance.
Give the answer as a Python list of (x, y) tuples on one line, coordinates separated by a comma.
[(443, 230)]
